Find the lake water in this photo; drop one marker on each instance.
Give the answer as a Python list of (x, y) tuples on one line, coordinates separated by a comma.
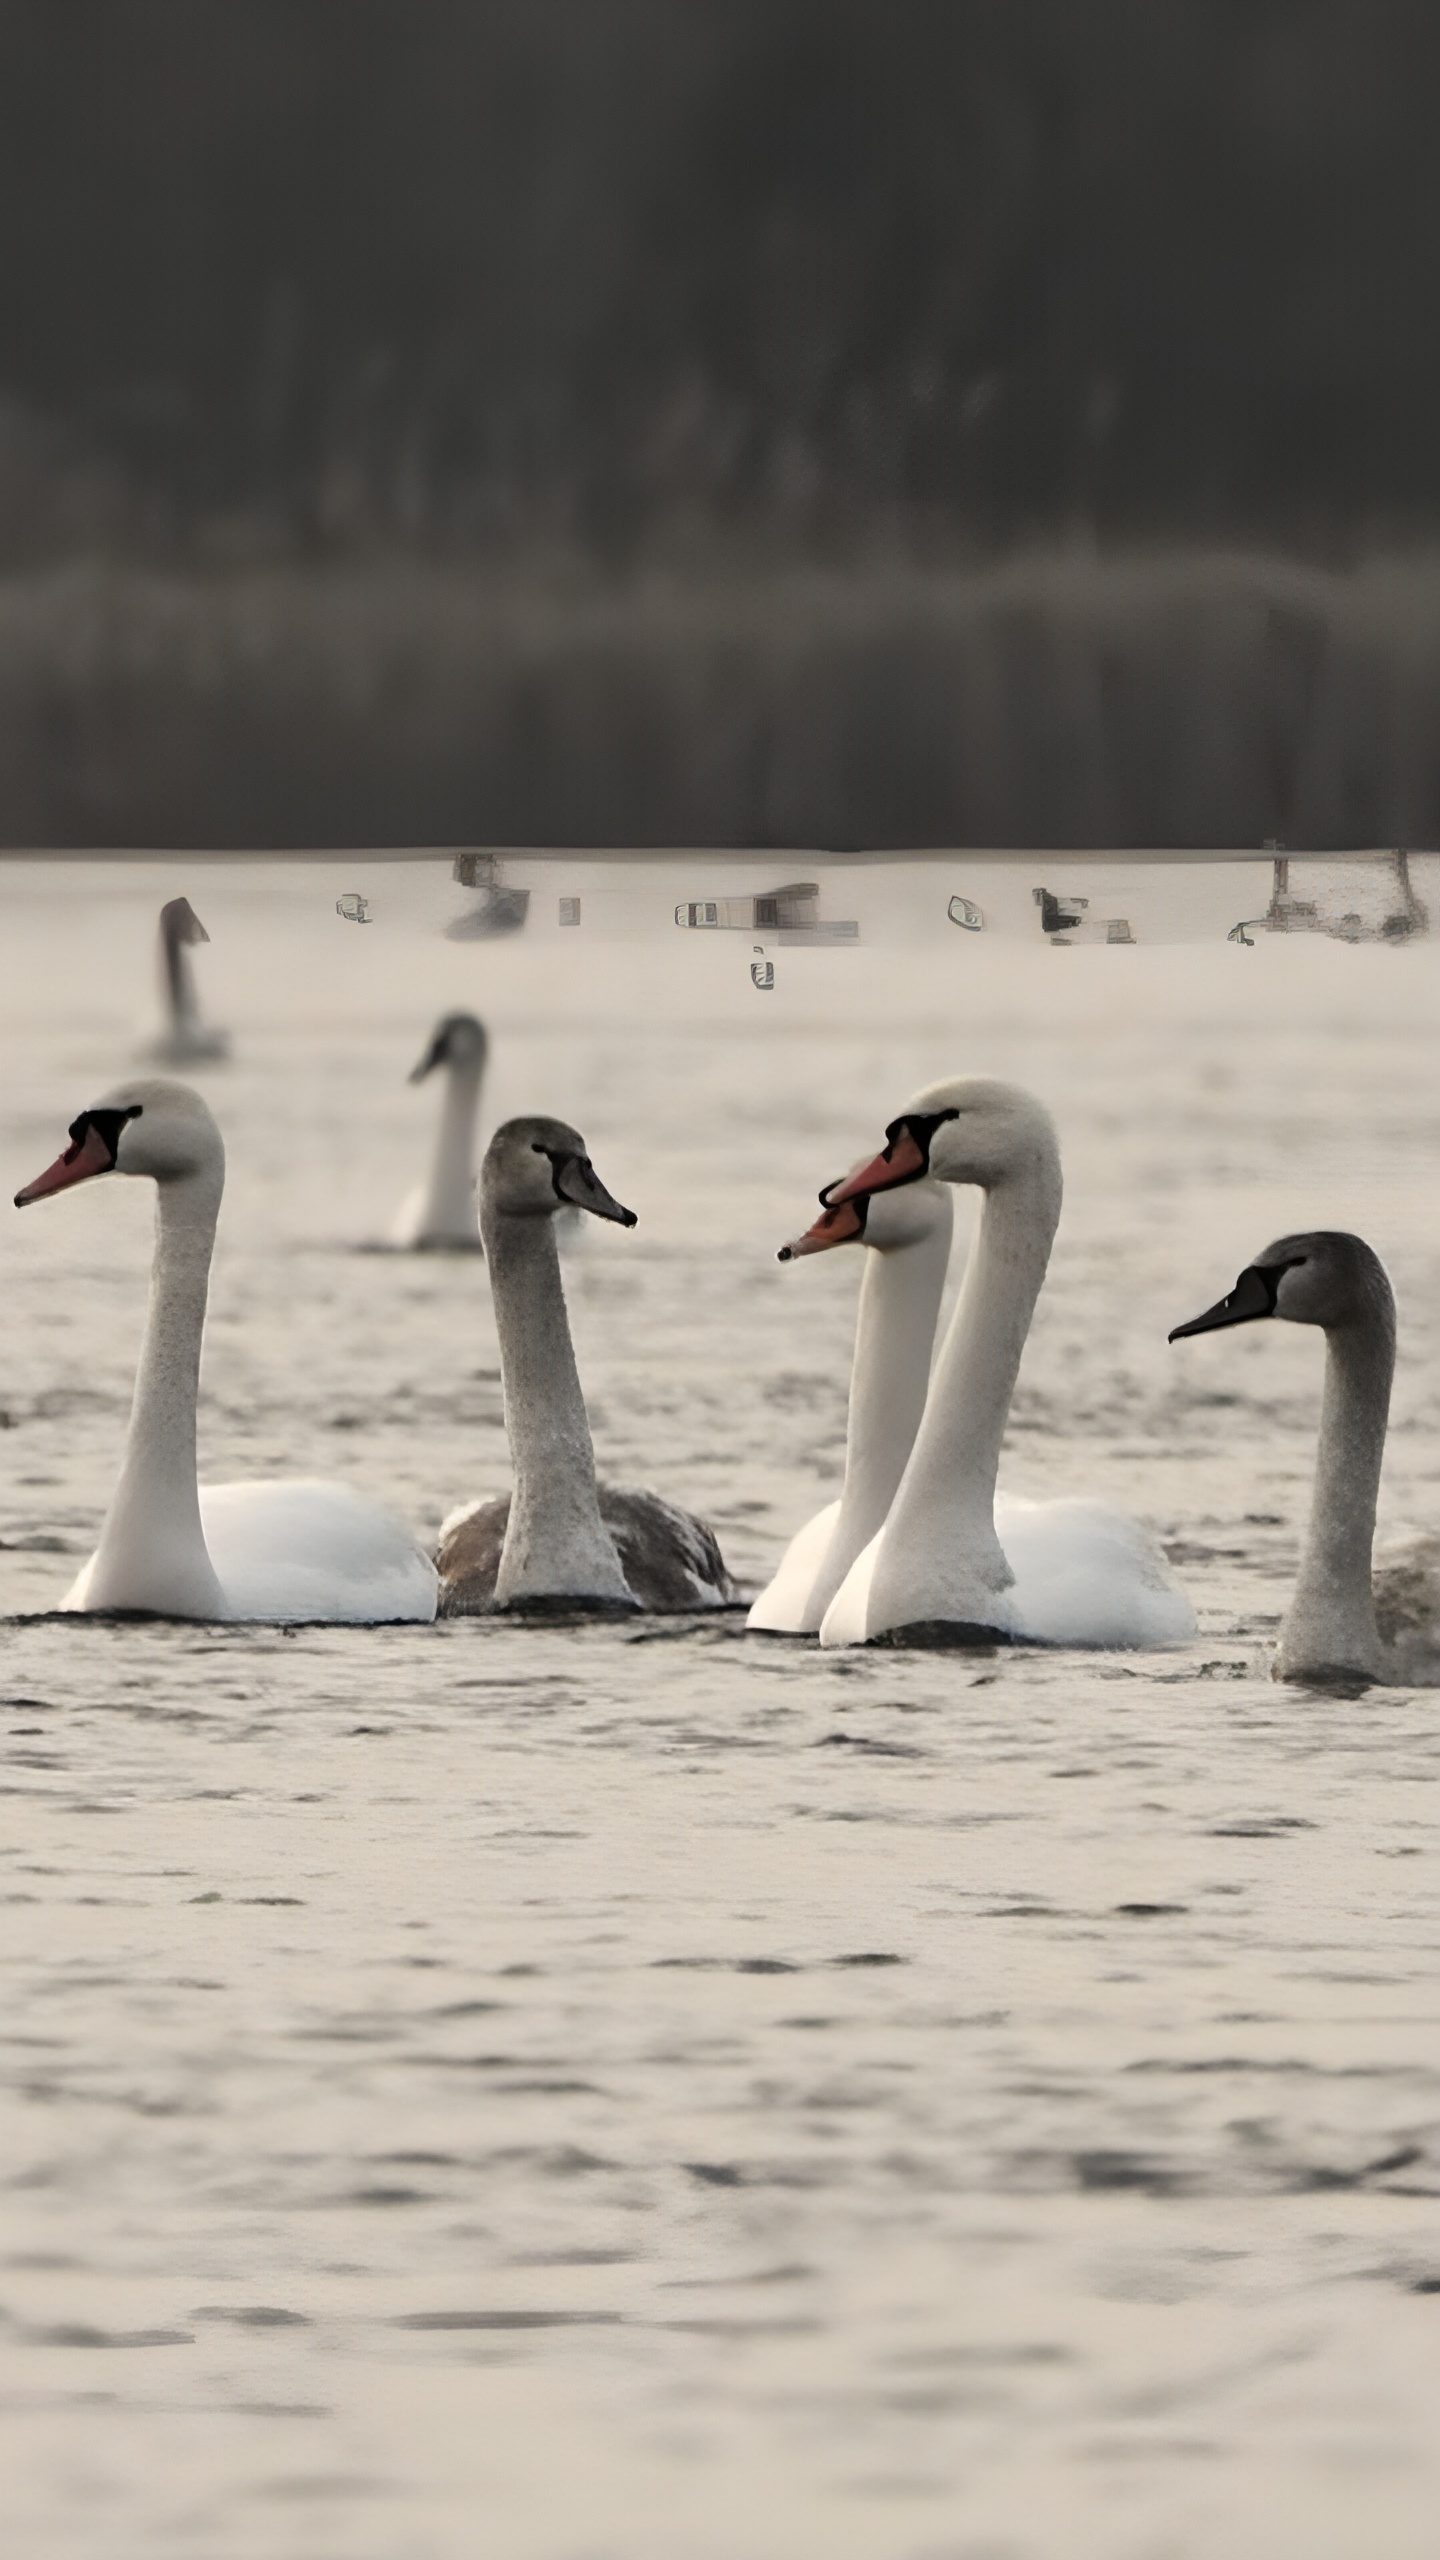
[(643, 2093)]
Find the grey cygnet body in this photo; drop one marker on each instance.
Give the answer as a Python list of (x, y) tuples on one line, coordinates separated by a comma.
[(560, 1537)]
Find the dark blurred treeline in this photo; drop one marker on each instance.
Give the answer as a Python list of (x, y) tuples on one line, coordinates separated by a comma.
[(582, 295), (1176, 700)]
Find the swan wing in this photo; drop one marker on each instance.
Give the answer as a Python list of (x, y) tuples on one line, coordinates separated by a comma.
[(405, 1225), (78, 1595), (1087, 1575), (314, 1552), (472, 1540), (415, 1226), (1406, 1584), (670, 1559), (783, 1606), (189, 1046)]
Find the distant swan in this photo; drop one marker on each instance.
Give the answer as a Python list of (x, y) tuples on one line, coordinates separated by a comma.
[(296, 1551), (439, 1215), (186, 1040), (1349, 1618), (908, 1234), (950, 1565), (561, 1539)]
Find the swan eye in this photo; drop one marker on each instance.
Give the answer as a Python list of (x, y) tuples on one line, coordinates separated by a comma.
[(109, 1124)]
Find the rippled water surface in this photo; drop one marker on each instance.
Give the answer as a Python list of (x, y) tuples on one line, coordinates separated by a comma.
[(642, 2093)]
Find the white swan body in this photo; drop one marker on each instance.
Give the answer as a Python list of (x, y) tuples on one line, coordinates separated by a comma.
[(439, 1216), (187, 1040), (907, 1235), (1350, 1619), (950, 1565), (1084, 1575), (560, 1540), (786, 1606), (286, 1551)]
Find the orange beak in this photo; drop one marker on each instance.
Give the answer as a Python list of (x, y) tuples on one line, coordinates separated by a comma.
[(901, 1161), (87, 1156), (842, 1224)]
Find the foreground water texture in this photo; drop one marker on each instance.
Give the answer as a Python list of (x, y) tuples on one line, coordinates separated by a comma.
[(644, 2093)]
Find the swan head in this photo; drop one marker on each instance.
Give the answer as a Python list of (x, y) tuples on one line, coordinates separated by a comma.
[(149, 1125), (179, 923), (968, 1129), (886, 1221), (535, 1166), (458, 1040), (1325, 1278)]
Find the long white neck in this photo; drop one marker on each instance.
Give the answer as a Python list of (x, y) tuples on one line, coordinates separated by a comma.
[(894, 1335), (152, 1552), (940, 1557), (556, 1543), (1330, 1623), (449, 1202)]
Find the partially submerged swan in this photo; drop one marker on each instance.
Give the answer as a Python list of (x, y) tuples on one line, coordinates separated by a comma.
[(186, 1040), (948, 1567), (293, 1551), (1350, 1619), (561, 1539), (908, 1234), (439, 1216)]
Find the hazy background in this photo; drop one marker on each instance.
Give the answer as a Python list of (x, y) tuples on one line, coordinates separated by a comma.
[(640, 421)]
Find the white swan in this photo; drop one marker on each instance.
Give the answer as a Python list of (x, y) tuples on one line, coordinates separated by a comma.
[(561, 1539), (298, 1551), (1349, 1619), (186, 1040), (439, 1215), (907, 1233), (948, 1567)]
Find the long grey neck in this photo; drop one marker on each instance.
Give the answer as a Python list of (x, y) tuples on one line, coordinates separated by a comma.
[(450, 1192), (556, 1544), (940, 1557), (152, 1552), (179, 982), (1330, 1624), (894, 1336)]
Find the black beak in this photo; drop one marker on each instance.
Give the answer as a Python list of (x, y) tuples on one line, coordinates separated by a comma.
[(434, 1057), (576, 1180), (1253, 1295)]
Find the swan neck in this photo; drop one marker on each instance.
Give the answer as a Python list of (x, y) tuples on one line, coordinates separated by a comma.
[(152, 1551), (179, 981), (981, 1359), (1330, 1624), (450, 1193), (940, 1556), (900, 1297), (555, 1541)]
